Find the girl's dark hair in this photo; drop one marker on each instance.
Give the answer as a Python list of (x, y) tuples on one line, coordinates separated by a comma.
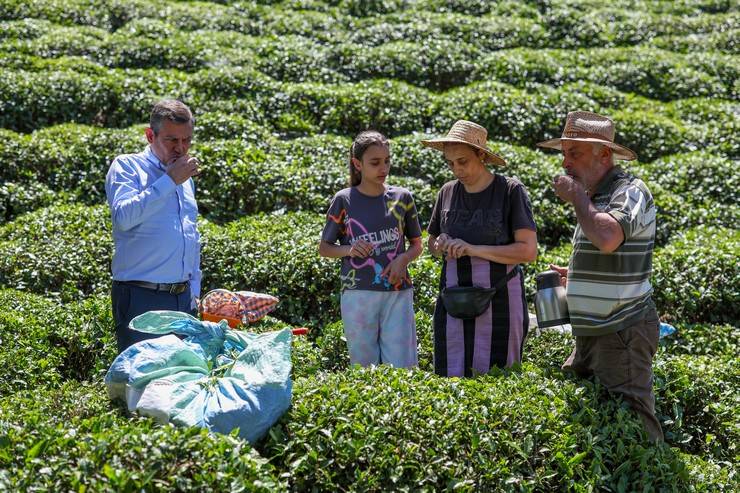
[(363, 141)]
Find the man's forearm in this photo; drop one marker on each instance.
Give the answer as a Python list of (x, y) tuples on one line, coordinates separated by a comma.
[(599, 227)]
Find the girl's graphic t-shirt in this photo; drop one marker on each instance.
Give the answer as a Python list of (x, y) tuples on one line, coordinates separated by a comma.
[(385, 221)]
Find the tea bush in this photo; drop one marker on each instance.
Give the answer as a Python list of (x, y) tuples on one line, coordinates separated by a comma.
[(113, 15), (71, 438), (695, 276), (275, 254), (711, 122), (55, 41), (508, 113), (696, 392), (45, 342), (697, 175), (30, 63), (472, 33), (228, 82), (435, 64), (675, 214), (585, 24), (61, 249), (704, 340), (295, 59), (24, 29), (697, 399), (67, 249), (343, 429), (301, 174), (521, 116), (77, 158), (17, 199), (29, 100), (26, 357), (311, 19), (651, 135), (279, 88), (725, 42), (395, 107), (217, 126), (652, 73)]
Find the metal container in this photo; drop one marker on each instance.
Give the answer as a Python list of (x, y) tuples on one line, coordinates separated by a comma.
[(550, 302)]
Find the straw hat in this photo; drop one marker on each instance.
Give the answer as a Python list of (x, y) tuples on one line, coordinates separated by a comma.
[(465, 132), (584, 126)]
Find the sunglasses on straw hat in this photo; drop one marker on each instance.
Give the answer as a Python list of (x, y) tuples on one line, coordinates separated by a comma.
[(584, 126), (465, 132)]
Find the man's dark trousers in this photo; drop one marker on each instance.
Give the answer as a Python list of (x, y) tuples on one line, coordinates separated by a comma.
[(130, 301)]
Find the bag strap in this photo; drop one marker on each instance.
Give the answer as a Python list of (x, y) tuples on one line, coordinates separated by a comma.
[(508, 277), (500, 284)]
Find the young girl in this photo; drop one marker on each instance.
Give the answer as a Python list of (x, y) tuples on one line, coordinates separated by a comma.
[(371, 221)]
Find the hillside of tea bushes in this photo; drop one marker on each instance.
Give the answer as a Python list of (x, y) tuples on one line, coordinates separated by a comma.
[(279, 88)]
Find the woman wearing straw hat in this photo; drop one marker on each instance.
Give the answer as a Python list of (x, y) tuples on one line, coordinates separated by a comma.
[(482, 225)]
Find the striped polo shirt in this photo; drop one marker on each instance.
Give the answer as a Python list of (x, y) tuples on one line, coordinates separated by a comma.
[(610, 291)]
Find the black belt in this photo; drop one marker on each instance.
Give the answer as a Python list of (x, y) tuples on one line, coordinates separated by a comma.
[(172, 288)]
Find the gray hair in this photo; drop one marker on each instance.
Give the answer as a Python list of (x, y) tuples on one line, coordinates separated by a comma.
[(172, 110), (596, 149)]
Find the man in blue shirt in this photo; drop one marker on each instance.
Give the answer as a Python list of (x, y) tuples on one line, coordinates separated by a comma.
[(156, 261)]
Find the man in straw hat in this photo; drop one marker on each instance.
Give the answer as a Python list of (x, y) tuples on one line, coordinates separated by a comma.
[(607, 281), (482, 223)]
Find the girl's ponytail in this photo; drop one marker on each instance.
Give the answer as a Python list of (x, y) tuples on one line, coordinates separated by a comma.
[(362, 142)]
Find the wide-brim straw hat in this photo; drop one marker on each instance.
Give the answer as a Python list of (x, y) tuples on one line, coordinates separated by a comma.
[(465, 132), (584, 126)]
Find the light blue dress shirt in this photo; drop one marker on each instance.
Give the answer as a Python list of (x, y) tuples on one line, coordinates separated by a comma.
[(154, 223)]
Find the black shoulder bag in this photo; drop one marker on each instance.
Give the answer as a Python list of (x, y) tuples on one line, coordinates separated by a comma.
[(468, 302)]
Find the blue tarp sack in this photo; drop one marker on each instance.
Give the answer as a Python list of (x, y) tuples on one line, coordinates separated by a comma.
[(216, 378)]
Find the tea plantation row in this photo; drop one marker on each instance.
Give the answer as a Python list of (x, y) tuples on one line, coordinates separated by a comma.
[(541, 24), (528, 428), (437, 62), (36, 92), (255, 172), (67, 250)]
